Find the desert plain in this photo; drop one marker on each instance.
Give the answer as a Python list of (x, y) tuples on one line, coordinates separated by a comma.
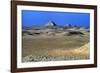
[(53, 43)]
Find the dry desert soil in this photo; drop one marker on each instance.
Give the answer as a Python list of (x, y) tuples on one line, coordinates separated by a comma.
[(55, 46)]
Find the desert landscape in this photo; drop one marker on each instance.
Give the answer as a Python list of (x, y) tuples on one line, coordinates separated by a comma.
[(55, 43)]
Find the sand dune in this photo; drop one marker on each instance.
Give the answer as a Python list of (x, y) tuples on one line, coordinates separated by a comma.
[(61, 54), (82, 51)]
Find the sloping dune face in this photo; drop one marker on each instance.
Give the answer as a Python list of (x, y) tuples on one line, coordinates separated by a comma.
[(81, 53), (61, 54)]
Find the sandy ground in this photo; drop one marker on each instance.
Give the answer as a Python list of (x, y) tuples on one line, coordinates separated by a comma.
[(55, 48)]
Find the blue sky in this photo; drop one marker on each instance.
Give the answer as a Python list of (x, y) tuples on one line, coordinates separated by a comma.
[(41, 18)]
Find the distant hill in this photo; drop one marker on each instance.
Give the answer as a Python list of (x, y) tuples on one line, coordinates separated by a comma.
[(52, 24)]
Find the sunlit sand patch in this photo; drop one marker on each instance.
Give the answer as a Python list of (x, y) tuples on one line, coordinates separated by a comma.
[(82, 51)]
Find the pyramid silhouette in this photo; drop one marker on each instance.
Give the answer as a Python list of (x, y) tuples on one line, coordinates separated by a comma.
[(51, 24)]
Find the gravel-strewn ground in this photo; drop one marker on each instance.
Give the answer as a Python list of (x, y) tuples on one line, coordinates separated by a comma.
[(31, 58)]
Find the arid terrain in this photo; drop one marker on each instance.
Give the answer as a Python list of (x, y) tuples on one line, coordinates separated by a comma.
[(52, 43)]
